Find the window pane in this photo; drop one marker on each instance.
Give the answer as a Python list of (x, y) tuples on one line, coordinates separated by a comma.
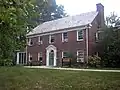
[(80, 56), (39, 39), (80, 34), (65, 35), (65, 54), (52, 39)]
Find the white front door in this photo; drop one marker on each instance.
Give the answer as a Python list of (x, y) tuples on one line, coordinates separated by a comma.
[(51, 55)]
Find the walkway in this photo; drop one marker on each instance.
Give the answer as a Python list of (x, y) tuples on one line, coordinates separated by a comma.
[(75, 69)]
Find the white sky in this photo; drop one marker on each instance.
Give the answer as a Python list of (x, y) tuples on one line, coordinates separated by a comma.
[(73, 7)]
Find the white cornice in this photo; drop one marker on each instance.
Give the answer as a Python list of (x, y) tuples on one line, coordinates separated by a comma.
[(62, 31)]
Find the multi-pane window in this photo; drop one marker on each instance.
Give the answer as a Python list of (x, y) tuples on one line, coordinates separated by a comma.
[(30, 57), (40, 56), (40, 40), (64, 54), (79, 35), (51, 39), (99, 35), (30, 42), (80, 56), (65, 37)]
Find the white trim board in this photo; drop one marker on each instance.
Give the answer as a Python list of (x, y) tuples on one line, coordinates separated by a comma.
[(62, 31)]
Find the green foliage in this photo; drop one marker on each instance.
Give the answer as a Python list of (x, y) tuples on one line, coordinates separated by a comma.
[(94, 61), (50, 12), (112, 20), (111, 47), (15, 22), (19, 78), (6, 62)]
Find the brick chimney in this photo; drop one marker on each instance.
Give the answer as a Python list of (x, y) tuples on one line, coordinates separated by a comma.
[(100, 17), (51, 2)]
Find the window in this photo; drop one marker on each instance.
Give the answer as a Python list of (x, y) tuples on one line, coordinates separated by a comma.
[(40, 56), (30, 57), (80, 56), (64, 54), (40, 40), (99, 35), (80, 35), (30, 42), (51, 39), (65, 37)]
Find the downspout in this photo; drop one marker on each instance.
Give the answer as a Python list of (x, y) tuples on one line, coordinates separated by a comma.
[(87, 46)]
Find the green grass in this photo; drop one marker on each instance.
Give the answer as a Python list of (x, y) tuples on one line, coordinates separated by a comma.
[(18, 78)]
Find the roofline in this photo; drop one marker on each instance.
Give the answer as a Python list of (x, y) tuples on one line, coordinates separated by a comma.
[(59, 31)]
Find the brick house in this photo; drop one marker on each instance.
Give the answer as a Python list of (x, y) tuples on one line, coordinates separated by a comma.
[(51, 41)]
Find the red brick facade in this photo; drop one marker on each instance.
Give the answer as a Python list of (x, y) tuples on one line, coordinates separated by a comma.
[(71, 46)]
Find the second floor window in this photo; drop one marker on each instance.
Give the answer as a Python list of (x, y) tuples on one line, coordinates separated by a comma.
[(65, 37), (51, 39), (30, 42), (40, 40), (79, 35), (99, 35)]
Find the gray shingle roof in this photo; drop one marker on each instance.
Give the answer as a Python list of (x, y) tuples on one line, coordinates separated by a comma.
[(66, 22)]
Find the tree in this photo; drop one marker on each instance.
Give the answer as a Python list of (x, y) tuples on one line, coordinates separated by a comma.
[(15, 21), (19, 17), (111, 47), (111, 42), (50, 11), (112, 20)]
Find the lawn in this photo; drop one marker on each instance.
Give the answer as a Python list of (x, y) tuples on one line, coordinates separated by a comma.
[(19, 78)]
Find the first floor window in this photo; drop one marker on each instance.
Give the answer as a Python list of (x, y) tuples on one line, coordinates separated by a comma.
[(79, 35), (65, 37), (64, 54), (30, 57), (40, 56), (80, 56)]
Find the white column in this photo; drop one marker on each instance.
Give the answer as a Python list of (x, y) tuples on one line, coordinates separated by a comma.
[(17, 58), (47, 58), (26, 55), (55, 57)]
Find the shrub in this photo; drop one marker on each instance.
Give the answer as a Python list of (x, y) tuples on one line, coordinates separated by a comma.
[(6, 62), (94, 61)]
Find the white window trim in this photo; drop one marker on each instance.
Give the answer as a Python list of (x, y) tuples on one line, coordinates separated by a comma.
[(29, 56), (39, 40), (29, 42), (78, 54), (64, 40), (50, 39), (77, 35), (62, 53), (39, 55), (96, 35)]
